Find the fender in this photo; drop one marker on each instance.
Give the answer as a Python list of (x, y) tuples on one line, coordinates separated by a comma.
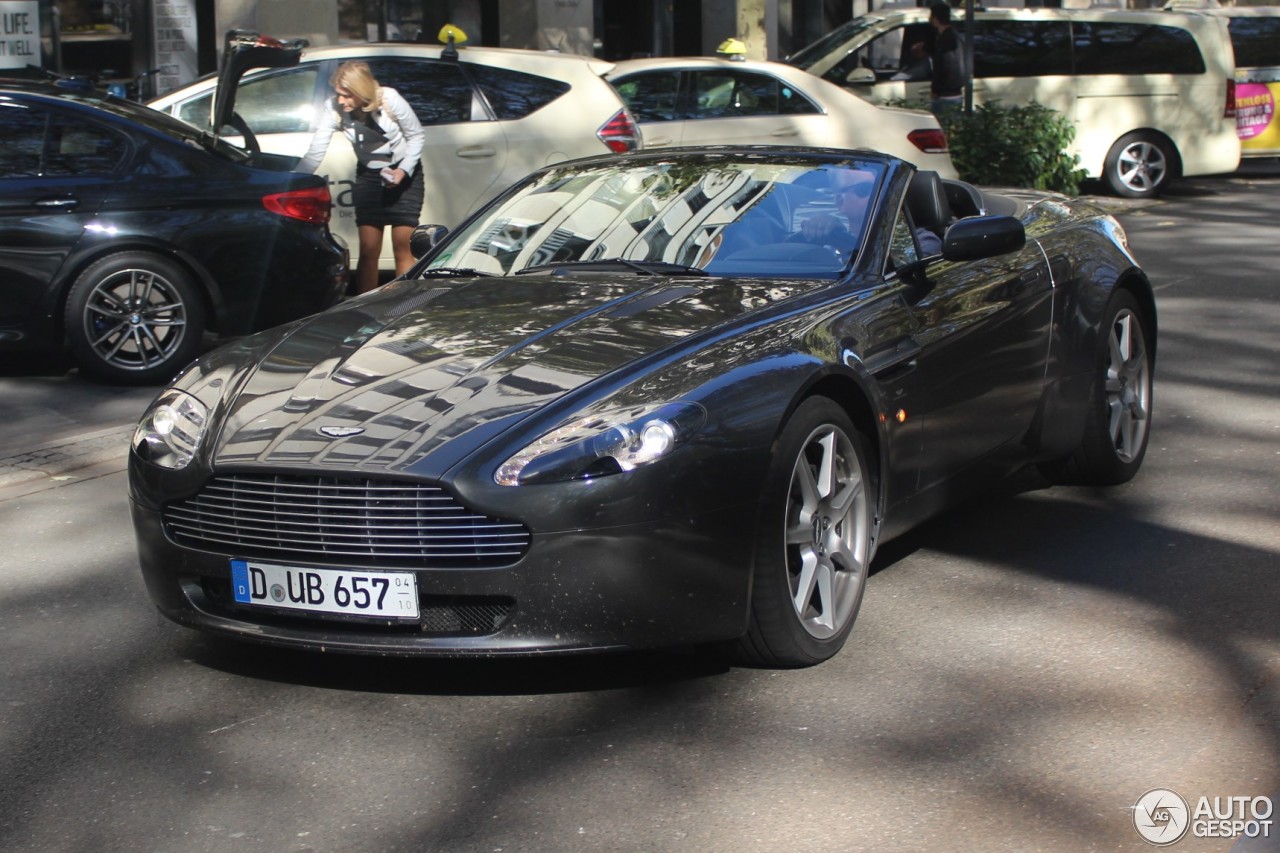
[(90, 250)]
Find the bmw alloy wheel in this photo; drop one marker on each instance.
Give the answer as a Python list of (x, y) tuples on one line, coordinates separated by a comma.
[(134, 317)]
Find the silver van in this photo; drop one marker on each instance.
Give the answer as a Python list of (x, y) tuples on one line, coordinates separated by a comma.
[(1152, 94)]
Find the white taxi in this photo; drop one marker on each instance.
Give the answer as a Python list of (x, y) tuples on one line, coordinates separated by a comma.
[(491, 115), (710, 101)]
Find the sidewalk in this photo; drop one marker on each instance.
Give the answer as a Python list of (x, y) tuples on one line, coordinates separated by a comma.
[(47, 466)]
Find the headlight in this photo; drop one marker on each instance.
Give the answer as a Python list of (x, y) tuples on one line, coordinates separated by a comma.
[(171, 430), (603, 444)]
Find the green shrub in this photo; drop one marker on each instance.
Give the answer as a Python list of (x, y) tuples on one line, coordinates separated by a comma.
[(1013, 147)]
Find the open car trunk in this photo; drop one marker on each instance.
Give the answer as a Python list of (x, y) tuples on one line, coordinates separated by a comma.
[(243, 50)]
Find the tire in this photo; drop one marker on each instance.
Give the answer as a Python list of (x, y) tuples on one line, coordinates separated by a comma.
[(134, 318), (1118, 423), (1139, 165), (814, 540)]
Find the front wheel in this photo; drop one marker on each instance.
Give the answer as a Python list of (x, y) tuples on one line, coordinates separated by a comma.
[(134, 318), (814, 541), (1139, 165), (1118, 421)]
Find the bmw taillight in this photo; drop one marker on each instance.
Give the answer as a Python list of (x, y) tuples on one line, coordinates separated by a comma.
[(1229, 110), (620, 133), (312, 204), (930, 141)]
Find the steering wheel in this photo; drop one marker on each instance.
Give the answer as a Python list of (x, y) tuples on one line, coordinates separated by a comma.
[(824, 242)]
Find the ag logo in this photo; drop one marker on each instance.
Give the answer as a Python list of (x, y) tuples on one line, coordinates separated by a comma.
[(1161, 816)]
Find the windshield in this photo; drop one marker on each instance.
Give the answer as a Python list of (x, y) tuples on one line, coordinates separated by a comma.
[(776, 216), (807, 56)]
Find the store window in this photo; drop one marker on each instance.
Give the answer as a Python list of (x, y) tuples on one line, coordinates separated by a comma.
[(95, 38)]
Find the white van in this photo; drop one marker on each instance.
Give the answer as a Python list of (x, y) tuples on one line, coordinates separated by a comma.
[(1152, 94), (1255, 37)]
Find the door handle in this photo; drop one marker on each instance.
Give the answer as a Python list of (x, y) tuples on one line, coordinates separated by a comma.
[(786, 131), (654, 141), (476, 152), (57, 203)]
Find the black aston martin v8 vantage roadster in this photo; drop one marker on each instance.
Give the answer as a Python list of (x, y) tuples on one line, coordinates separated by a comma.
[(661, 399)]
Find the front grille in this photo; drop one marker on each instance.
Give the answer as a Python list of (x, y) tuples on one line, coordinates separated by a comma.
[(464, 615), (359, 521)]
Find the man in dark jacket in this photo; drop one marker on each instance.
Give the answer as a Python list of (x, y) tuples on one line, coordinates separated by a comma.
[(948, 66)]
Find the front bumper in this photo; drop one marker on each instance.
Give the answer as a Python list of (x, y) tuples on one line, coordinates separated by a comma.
[(662, 583)]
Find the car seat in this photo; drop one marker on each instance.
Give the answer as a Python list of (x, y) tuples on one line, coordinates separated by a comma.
[(965, 199), (927, 202)]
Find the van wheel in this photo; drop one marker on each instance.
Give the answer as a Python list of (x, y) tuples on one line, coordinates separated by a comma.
[(1139, 165)]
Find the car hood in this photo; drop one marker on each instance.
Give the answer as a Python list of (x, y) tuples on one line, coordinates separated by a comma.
[(421, 373)]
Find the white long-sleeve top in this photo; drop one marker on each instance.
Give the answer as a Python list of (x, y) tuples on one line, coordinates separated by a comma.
[(396, 120)]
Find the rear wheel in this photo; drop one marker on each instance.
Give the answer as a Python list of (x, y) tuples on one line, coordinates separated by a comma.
[(814, 542), (134, 318), (1139, 165), (1118, 422)]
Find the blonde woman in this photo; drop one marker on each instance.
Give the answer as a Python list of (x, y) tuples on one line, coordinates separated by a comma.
[(387, 139)]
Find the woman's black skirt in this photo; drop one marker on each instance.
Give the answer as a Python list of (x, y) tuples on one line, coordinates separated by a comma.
[(380, 205)]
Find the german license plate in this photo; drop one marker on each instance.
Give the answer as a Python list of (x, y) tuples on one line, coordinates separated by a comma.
[(385, 595)]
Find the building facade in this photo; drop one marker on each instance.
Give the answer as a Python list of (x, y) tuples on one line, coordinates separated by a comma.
[(115, 40)]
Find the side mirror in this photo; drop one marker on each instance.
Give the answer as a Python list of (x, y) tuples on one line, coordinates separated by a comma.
[(425, 238), (980, 237), (861, 77)]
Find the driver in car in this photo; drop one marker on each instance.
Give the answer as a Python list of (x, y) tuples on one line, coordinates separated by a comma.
[(852, 189)]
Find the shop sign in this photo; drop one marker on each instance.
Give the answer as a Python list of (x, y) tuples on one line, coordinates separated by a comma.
[(174, 32), (19, 33)]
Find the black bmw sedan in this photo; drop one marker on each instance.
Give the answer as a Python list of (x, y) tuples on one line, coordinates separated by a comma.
[(126, 235)]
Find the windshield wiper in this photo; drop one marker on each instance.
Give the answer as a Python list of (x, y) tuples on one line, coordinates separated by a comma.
[(454, 272), (615, 265)]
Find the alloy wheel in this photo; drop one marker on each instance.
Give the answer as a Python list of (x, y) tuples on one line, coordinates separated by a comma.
[(1128, 386), (135, 319), (1142, 167), (827, 532)]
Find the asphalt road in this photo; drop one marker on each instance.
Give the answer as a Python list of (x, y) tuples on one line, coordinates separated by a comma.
[(1024, 668)]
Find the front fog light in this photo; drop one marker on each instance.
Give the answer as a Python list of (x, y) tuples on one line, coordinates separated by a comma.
[(171, 430)]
